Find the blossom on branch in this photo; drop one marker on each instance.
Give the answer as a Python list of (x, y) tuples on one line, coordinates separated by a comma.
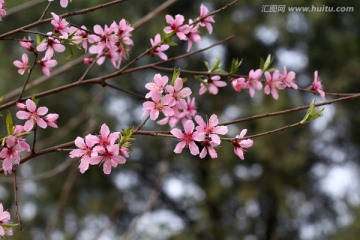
[(188, 138), (212, 84), (34, 115), (4, 219), (158, 49), (240, 144), (10, 153), (317, 86), (22, 65), (101, 149), (273, 84), (176, 25), (205, 21), (46, 65)]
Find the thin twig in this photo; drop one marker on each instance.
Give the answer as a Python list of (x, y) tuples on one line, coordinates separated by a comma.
[(16, 201), (28, 77), (34, 140), (266, 115), (74, 13), (45, 10), (23, 6), (153, 13)]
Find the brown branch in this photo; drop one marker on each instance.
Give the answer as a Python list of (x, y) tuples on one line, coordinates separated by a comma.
[(69, 14), (265, 115), (153, 13)]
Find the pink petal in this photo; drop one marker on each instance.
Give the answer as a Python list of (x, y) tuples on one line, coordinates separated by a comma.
[(194, 149), (179, 147), (189, 126), (177, 133), (23, 115), (30, 105), (42, 111), (41, 123), (79, 142)]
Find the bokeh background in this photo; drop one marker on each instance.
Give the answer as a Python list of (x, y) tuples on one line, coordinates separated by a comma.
[(302, 183)]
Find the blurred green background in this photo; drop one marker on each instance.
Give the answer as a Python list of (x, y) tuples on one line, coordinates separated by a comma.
[(302, 183)]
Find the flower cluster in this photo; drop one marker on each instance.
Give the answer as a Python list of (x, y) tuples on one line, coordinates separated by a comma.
[(5, 229), (12, 147), (100, 149), (276, 81), (112, 42), (189, 32), (34, 115), (172, 100)]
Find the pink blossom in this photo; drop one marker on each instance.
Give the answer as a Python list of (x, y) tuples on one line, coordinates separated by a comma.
[(60, 25), (46, 65), (175, 25), (158, 105), (253, 81), (32, 115), (10, 153), (177, 92), (239, 84), (289, 79), (192, 35), (156, 87), (27, 43), (158, 48), (317, 86), (4, 218), (85, 152), (2, 9), (209, 147), (80, 37), (22, 65), (213, 84), (188, 138), (206, 21), (64, 3), (88, 61), (50, 120), (111, 157), (123, 31), (211, 128), (50, 46), (241, 144), (273, 84), (106, 137)]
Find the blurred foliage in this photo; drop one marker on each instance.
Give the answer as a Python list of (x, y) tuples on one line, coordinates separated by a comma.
[(275, 193)]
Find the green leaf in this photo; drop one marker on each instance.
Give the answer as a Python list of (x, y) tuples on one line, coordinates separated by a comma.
[(71, 53), (2, 98), (35, 100), (172, 44), (199, 79), (125, 136), (176, 74), (220, 71), (312, 113), (264, 65), (235, 64), (216, 65), (9, 124), (207, 65)]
